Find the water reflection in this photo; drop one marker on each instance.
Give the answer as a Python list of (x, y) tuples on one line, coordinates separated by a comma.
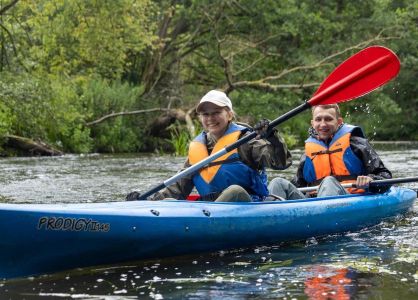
[(336, 267), (328, 283)]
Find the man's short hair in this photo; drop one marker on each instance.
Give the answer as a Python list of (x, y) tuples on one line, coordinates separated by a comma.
[(327, 106)]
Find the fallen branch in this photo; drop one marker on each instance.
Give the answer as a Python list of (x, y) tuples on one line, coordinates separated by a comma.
[(31, 146)]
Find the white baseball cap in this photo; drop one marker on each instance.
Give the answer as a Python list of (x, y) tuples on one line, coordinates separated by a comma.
[(216, 97)]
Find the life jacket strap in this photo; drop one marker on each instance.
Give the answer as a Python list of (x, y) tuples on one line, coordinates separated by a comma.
[(326, 152), (220, 162)]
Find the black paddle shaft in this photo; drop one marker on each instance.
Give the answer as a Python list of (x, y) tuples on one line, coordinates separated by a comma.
[(393, 181)]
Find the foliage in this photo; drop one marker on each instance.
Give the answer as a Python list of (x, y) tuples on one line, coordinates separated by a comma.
[(6, 119), (44, 109), (101, 97), (179, 139), (64, 64), (5, 122), (83, 37), (22, 98)]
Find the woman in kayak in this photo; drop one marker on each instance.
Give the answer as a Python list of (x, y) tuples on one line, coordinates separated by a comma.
[(334, 152), (238, 175)]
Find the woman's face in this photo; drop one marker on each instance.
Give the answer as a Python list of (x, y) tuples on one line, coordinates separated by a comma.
[(215, 119)]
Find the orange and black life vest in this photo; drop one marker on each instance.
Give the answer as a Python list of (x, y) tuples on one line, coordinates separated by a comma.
[(336, 159)]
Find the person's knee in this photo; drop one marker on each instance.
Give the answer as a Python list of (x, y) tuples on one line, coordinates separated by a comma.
[(235, 189), (330, 186), (329, 179), (278, 182), (234, 193)]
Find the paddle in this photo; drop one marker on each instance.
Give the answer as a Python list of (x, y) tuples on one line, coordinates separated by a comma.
[(373, 183), (355, 77)]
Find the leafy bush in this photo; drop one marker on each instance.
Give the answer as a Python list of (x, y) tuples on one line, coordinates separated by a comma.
[(6, 119), (120, 134), (180, 139)]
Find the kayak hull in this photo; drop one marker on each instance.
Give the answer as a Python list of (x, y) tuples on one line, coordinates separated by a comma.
[(44, 238)]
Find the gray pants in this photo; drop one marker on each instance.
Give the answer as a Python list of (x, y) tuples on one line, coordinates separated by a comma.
[(287, 191), (284, 189), (330, 186)]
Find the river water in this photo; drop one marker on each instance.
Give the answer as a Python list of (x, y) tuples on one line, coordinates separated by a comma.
[(375, 263)]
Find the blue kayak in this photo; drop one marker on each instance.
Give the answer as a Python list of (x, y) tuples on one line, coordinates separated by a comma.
[(45, 238)]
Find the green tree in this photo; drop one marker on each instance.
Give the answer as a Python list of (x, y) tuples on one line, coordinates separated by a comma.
[(74, 62)]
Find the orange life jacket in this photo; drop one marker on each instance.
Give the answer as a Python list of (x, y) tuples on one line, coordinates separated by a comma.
[(227, 169), (336, 159)]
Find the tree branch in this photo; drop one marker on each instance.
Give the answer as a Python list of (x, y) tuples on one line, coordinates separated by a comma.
[(359, 46), (124, 113), (266, 82), (273, 87), (8, 6)]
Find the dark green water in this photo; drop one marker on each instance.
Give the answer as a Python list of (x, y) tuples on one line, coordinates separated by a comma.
[(376, 263)]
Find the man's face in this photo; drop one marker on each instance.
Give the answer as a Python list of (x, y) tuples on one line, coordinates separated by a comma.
[(325, 122)]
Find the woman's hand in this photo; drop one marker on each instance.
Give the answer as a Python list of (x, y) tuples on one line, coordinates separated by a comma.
[(262, 129), (133, 196)]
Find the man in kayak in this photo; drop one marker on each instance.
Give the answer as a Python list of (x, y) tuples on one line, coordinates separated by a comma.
[(334, 152), (238, 175)]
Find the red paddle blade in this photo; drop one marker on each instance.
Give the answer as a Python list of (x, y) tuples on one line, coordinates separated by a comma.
[(358, 75)]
